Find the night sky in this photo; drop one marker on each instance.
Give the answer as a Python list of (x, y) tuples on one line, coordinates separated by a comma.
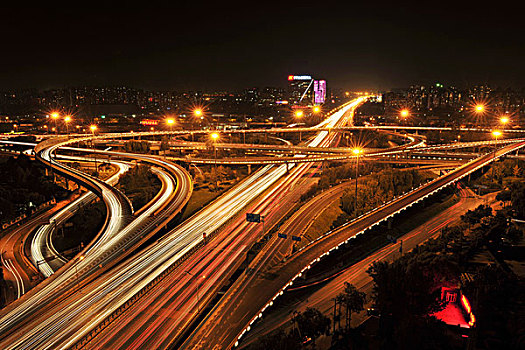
[(197, 45)]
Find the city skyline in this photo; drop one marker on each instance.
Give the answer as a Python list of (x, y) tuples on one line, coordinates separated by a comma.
[(227, 46)]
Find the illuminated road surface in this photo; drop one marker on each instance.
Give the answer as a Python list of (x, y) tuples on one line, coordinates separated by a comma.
[(57, 293), (242, 309), (164, 314), (322, 297), (42, 245)]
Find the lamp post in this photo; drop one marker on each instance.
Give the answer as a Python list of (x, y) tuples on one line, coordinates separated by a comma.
[(198, 284), (214, 137), (404, 113), (67, 119), (198, 113), (496, 134), (170, 122), (93, 128), (55, 116), (479, 109), (299, 114), (356, 151), (504, 120)]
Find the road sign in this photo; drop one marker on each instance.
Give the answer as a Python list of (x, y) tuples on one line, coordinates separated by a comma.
[(296, 238), (282, 235), (251, 217)]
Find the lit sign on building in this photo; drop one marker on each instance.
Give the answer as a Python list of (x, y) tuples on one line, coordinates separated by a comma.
[(319, 91), (149, 122), (299, 77)]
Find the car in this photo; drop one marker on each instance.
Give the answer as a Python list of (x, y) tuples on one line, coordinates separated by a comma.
[(373, 312)]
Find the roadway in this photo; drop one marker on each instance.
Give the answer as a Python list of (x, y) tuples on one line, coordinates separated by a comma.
[(187, 288), (164, 254), (19, 273), (61, 288), (43, 253), (321, 296), (241, 310)]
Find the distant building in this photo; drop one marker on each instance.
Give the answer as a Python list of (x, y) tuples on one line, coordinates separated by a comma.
[(303, 90)]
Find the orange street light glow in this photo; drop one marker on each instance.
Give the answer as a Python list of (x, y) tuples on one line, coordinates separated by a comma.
[(317, 109), (404, 113), (504, 120), (67, 118), (54, 115), (479, 108), (197, 112), (170, 121), (93, 128), (214, 136), (299, 114), (357, 151), (496, 133)]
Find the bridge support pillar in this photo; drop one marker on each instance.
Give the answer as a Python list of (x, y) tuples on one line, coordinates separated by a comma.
[(249, 169), (389, 223), (287, 169)]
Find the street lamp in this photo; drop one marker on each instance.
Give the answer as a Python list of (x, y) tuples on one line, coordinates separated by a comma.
[(404, 113), (170, 122), (496, 134), (198, 284), (504, 120), (93, 128), (356, 152), (316, 109), (214, 137), (55, 116), (299, 114), (197, 112), (67, 119), (479, 108)]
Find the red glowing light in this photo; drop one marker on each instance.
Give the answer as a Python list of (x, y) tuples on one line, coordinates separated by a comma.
[(149, 122), (290, 77), (465, 303)]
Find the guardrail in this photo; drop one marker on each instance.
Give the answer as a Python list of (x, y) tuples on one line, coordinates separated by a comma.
[(455, 175)]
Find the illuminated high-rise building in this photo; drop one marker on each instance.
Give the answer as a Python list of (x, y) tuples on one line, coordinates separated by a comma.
[(303, 90)]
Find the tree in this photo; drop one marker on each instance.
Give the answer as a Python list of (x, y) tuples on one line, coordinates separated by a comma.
[(473, 217), (279, 340), (504, 196), (517, 190), (312, 323), (353, 300)]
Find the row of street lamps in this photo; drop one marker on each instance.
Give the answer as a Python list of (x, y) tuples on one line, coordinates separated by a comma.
[(67, 120), (478, 109)]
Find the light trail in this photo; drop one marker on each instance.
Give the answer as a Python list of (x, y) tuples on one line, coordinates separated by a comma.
[(98, 255), (215, 265), (42, 246)]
